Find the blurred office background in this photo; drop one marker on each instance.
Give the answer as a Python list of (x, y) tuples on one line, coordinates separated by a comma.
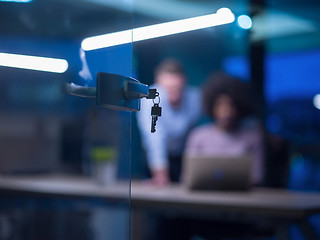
[(44, 130)]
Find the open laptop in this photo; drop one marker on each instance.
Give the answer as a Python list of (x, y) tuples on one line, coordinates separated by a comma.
[(217, 173)]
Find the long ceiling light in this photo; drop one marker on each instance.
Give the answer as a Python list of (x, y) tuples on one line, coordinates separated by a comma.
[(33, 63), (222, 16), (316, 101), (17, 1)]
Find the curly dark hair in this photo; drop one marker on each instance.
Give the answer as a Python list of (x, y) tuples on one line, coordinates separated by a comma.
[(222, 84)]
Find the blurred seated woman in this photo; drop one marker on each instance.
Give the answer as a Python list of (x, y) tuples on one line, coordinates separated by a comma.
[(228, 101)]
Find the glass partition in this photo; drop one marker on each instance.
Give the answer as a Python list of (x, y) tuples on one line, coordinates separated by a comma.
[(272, 46), (65, 161), (203, 37), (292, 89)]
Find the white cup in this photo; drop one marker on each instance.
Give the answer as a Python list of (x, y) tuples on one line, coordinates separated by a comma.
[(105, 173)]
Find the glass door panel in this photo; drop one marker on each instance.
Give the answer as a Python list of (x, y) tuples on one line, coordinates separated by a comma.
[(203, 37), (65, 161)]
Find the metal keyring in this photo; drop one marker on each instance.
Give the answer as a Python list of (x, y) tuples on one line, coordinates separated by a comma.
[(157, 96)]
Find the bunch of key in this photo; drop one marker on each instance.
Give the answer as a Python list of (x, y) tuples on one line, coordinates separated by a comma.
[(155, 110), (155, 113)]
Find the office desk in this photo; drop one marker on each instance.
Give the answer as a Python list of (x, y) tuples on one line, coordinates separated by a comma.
[(62, 185), (278, 206), (281, 206)]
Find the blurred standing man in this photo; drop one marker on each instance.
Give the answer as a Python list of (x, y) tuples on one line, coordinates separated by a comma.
[(180, 112)]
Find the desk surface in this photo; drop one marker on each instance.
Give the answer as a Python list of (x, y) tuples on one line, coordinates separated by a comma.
[(272, 202), (63, 185)]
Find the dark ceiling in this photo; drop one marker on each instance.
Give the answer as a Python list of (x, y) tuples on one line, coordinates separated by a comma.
[(82, 18), (309, 9), (67, 19)]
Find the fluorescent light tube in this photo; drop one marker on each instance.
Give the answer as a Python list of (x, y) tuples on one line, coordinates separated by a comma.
[(222, 16), (17, 1), (316, 101), (33, 63)]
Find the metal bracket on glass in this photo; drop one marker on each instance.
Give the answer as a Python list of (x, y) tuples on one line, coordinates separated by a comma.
[(112, 91)]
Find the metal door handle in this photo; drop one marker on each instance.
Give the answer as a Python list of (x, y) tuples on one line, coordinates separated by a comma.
[(80, 91), (112, 91)]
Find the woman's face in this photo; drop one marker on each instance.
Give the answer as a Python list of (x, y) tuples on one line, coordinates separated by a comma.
[(225, 113)]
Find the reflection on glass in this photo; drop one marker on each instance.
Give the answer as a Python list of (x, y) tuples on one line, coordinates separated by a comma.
[(274, 47), (222, 16), (66, 160), (178, 64), (33, 63)]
